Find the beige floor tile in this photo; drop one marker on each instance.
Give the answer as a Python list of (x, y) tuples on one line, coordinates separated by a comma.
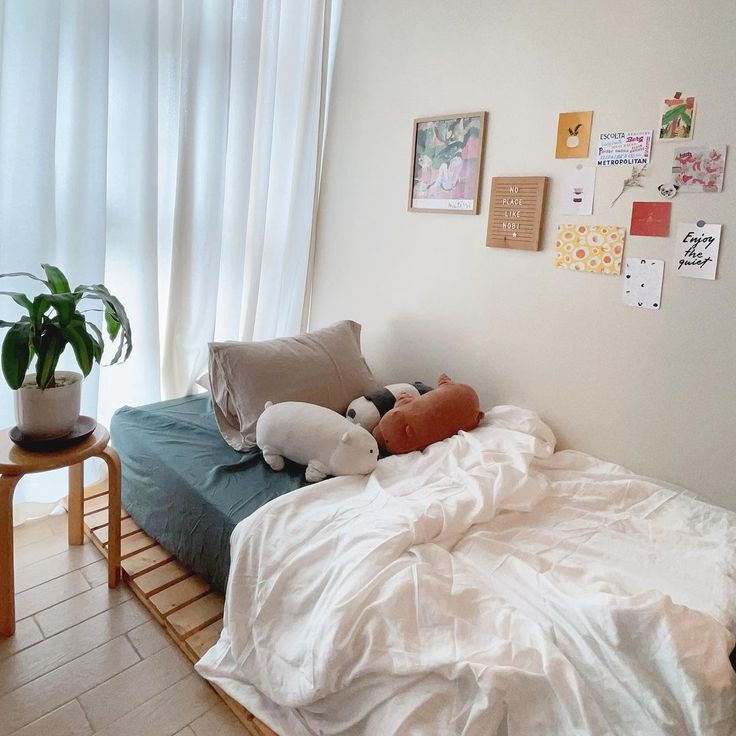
[(46, 693), (105, 665), (141, 682), (42, 571), (49, 594), (96, 573), (58, 523), (168, 712), (51, 653), (81, 607), (219, 721), (69, 720), (44, 548), (149, 638), (27, 633), (31, 532)]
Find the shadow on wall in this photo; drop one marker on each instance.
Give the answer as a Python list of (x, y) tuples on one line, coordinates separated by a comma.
[(399, 354), (403, 354)]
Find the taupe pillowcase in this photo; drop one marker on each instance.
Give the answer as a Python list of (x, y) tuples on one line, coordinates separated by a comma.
[(325, 367)]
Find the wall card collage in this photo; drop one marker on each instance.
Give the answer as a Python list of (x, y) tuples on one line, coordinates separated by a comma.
[(447, 156)]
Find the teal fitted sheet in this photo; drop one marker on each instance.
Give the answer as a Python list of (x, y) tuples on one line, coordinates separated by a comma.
[(186, 487)]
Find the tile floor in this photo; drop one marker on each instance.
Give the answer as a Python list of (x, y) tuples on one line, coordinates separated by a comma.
[(89, 660)]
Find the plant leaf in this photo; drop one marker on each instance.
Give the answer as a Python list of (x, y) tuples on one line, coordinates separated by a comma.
[(81, 343), (22, 273), (38, 309), (97, 340), (65, 306), (119, 352), (49, 350), (112, 323), (116, 319), (18, 298), (57, 282), (16, 353)]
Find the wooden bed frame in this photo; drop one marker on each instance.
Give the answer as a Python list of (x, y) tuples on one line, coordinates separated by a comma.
[(183, 603)]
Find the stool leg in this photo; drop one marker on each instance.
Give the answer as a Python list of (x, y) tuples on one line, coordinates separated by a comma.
[(76, 503), (7, 572), (110, 456)]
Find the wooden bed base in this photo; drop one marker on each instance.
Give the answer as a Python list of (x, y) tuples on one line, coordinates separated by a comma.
[(183, 603)]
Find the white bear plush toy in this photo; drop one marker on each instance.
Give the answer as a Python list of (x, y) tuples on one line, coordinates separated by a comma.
[(367, 410), (311, 435)]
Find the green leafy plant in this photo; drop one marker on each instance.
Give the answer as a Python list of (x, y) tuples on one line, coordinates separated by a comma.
[(55, 321)]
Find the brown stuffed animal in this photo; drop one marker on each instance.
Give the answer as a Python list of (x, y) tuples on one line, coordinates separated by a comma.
[(416, 422)]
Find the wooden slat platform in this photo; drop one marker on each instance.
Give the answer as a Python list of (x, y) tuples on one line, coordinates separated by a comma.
[(183, 603)]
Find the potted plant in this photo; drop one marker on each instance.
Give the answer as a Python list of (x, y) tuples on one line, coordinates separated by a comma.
[(47, 401)]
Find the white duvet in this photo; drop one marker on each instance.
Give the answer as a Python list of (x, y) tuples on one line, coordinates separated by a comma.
[(483, 584)]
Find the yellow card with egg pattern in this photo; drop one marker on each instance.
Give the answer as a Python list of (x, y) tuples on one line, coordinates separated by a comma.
[(591, 248)]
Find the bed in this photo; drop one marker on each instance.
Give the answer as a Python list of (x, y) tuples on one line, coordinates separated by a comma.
[(186, 487), (486, 583)]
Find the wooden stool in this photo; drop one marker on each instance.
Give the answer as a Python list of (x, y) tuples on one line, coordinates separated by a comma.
[(15, 462)]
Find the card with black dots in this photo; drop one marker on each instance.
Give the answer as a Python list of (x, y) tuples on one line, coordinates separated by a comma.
[(643, 283)]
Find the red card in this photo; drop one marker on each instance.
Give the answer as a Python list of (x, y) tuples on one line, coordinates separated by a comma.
[(651, 218)]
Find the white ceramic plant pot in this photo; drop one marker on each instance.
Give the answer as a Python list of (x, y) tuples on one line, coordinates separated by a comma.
[(51, 413)]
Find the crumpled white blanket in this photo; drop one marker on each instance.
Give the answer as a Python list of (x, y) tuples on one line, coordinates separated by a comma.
[(484, 583)]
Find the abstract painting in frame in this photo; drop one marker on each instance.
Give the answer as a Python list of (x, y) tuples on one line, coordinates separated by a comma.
[(447, 153)]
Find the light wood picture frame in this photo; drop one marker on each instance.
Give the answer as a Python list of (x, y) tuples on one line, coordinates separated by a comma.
[(516, 211), (446, 163)]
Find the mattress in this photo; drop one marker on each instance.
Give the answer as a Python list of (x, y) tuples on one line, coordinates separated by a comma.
[(186, 487)]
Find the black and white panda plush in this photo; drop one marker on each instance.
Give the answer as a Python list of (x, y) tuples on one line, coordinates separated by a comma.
[(367, 410)]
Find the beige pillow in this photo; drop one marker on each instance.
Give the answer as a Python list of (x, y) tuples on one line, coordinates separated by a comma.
[(324, 367)]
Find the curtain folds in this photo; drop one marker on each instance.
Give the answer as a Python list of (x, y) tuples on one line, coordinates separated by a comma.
[(170, 149)]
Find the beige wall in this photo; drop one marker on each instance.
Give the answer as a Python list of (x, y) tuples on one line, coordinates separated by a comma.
[(651, 390)]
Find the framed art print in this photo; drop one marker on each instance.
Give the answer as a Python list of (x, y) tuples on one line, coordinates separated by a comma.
[(447, 152)]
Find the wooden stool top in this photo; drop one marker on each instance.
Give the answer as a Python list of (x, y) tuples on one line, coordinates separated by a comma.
[(14, 460)]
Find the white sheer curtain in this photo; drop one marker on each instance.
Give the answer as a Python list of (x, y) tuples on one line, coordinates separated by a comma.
[(171, 149)]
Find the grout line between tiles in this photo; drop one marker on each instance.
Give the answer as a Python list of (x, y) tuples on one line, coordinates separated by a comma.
[(43, 636), (102, 644), (84, 710), (147, 700), (64, 664), (62, 600), (92, 615), (130, 641), (20, 570)]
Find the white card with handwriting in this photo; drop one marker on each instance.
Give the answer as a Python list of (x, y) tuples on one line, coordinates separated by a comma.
[(643, 283), (696, 250)]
